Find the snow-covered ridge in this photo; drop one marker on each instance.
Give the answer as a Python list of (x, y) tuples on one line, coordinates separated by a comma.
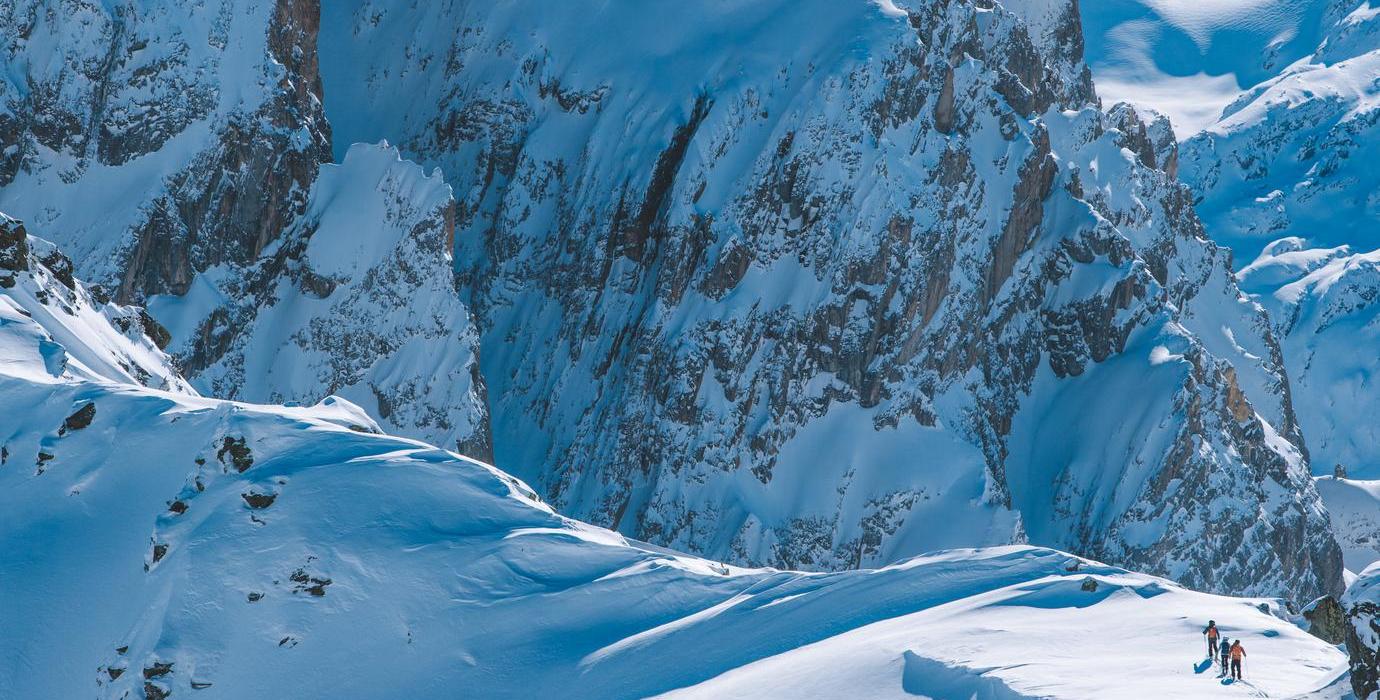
[(53, 329), (821, 286)]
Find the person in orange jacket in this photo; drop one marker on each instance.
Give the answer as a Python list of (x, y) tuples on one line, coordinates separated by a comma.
[(1212, 634), (1238, 654)]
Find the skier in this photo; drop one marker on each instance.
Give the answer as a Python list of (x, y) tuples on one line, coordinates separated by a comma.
[(1223, 652), (1238, 654), (1212, 634)]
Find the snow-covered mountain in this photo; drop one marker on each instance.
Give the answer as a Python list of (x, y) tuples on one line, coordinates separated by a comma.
[(162, 545), (830, 284), (1285, 176), (174, 150)]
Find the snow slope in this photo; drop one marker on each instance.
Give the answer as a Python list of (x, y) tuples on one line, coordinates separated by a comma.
[(827, 284), (1043, 638), (1190, 59), (53, 329), (159, 544)]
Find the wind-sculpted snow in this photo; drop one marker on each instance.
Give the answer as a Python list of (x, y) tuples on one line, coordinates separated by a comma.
[(1191, 58), (357, 298), (824, 286)]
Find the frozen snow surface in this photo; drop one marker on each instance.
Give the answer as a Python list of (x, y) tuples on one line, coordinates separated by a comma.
[(159, 544)]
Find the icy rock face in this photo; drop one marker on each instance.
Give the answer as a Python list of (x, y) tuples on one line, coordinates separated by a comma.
[(1326, 620), (357, 298), (827, 298), (155, 140), (55, 328), (1362, 604), (174, 148)]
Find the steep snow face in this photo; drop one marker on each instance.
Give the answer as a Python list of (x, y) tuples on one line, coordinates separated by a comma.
[(153, 140), (833, 284), (1323, 302), (1293, 155), (357, 298), (53, 329), (252, 550), (1189, 59)]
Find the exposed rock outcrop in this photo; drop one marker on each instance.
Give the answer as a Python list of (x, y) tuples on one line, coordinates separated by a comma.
[(1326, 620)]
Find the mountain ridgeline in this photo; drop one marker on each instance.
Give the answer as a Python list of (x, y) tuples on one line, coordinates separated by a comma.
[(816, 284)]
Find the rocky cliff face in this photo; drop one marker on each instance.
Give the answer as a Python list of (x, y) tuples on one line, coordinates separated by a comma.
[(1362, 604), (156, 141), (356, 299), (174, 149), (823, 299)]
